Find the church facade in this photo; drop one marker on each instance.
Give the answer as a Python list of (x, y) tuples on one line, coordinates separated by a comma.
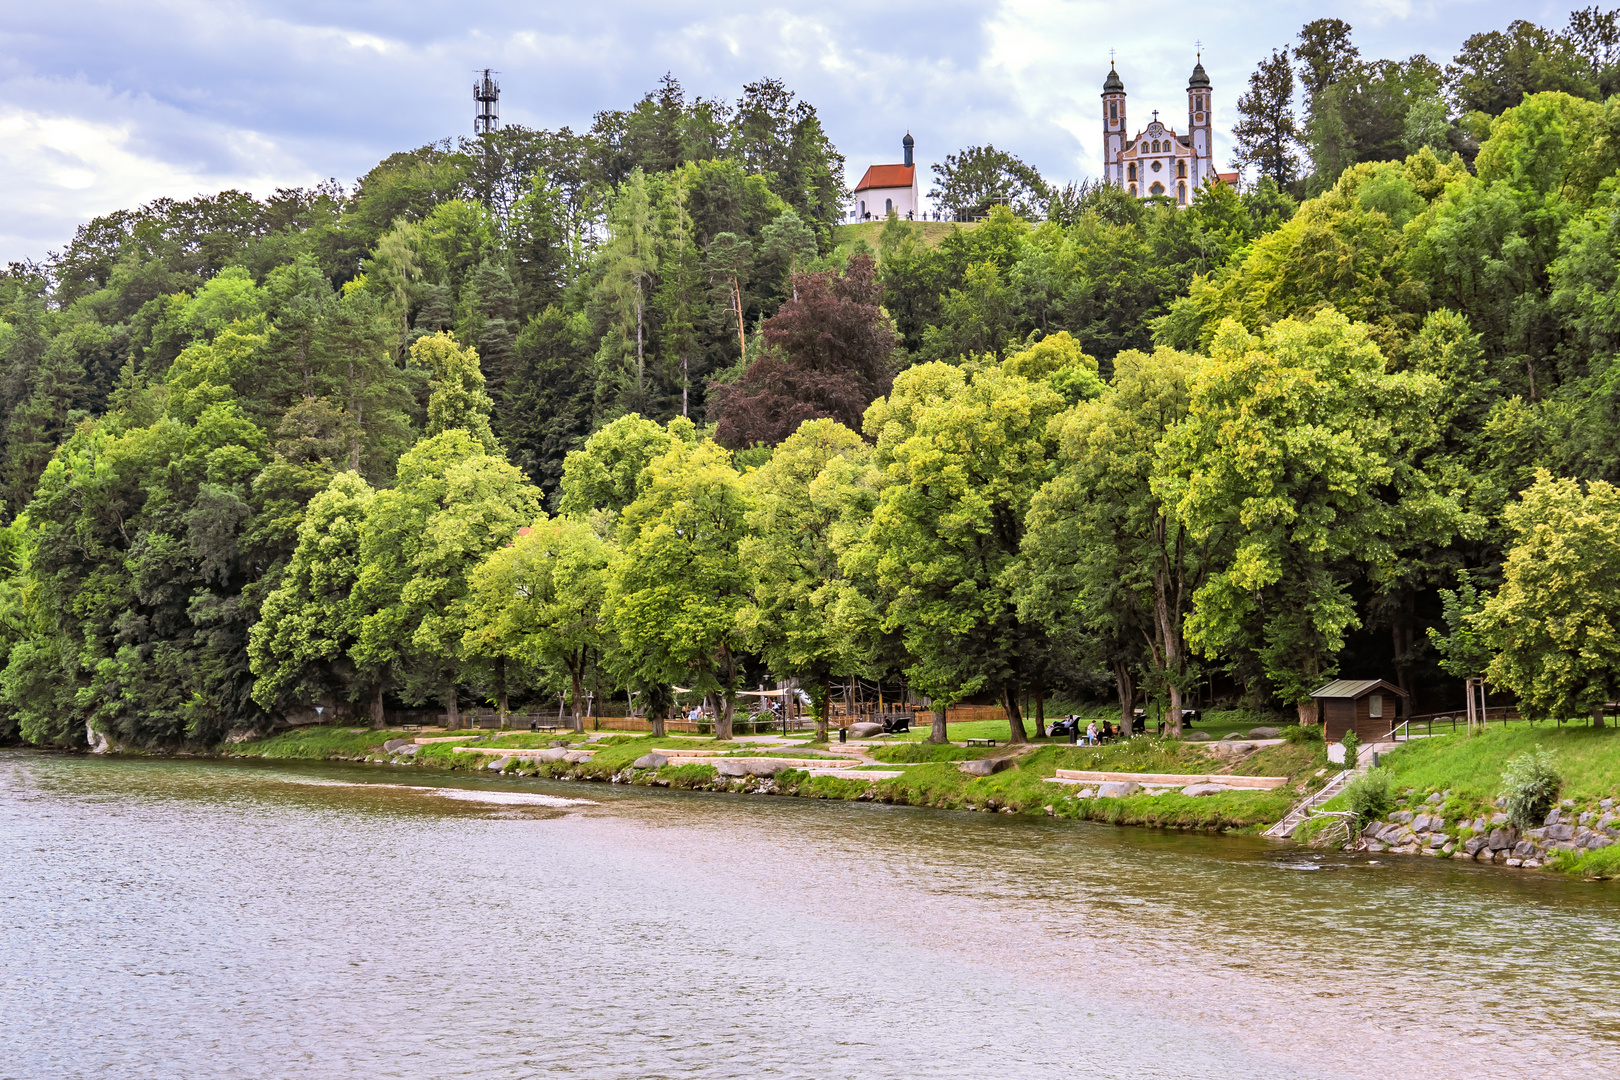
[(1159, 161)]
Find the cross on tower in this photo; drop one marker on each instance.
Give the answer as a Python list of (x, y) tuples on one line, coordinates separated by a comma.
[(1110, 57)]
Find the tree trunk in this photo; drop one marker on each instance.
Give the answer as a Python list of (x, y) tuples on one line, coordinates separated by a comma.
[(722, 724), (939, 735), (1173, 716), (818, 709), (1307, 712), (1016, 735), (452, 712), (742, 332), (1597, 715), (377, 704), (577, 706), (500, 693), (1040, 712), (1169, 647), (656, 717), (1127, 694)]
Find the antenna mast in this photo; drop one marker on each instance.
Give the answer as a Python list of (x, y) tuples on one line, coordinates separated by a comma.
[(487, 92)]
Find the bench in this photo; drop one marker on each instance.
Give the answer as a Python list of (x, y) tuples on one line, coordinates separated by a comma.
[(894, 725), (981, 742)]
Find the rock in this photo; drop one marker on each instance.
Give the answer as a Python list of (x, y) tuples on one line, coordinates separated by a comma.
[(650, 761), (1265, 733), (1435, 798), (1403, 816), (576, 757), (1204, 789), (500, 764), (1586, 818), (558, 742), (1478, 824), (1553, 817), (1474, 844), (1531, 864), (1501, 839), (748, 766), (1598, 843), (1498, 819), (1513, 862), (1375, 847), (1537, 834), (1389, 834), (1567, 803), (865, 730), (1448, 849), (1438, 839), (396, 744), (1501, 801), (1421, 823), (1524, 849), (1050, 811), (1484, 855), (1373, 828), (1405, 849), (1086, 793), (1117, 789), (1561, 832), (1197, 736), (1607, 804), (986, 766), (557, 753)]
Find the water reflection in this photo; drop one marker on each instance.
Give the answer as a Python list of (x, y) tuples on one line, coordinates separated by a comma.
[(196, 918)]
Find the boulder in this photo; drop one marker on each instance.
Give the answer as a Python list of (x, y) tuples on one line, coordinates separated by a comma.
[(1597, 843), (1420, 824), (1553, 816), (1373, 828), (1086, 793), (1197, 736), (575, 757), (499, 764), (1558, 832), (1502, 839), (986, 766), (554, 754), (749, 766), (1403, 816), (1204, 789), (650, 761), (395, 744), (559, 742), (865, 730), (1435, 798), (1265, 733), (1117, 789), (1524, 849), (1586, 817), (1391, 833)]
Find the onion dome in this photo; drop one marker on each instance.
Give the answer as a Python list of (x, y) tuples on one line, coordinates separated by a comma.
[(1113, 85), (1199, 79)]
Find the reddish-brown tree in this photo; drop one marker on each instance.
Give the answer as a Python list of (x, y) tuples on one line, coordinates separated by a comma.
[(829, 353)]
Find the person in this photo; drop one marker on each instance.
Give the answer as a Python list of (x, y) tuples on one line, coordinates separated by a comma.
[(1091, 733)]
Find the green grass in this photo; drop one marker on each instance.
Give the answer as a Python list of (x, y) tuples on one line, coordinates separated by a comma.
[(307, 743), (921, 751), (1143, 754)]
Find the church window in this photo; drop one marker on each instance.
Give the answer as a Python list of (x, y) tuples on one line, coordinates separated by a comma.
[(1156, 189), (1181, 168), (888, 207), (1133, 187), (1181, 192), (1113, 110), (1132, 170), (1157, 165)]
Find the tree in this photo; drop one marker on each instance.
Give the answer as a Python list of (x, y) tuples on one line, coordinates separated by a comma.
[(298, 650), (607, 473), (1325, 54), (830, 355), (968, 183), (1294, 465), (454, 504), (1553, 624), (729, 262), (537, 603), (1102, 548), (456, 397), (790, 555), (627, 263), (1266, 131), (961, 457), (676, 588), (1497, 70)]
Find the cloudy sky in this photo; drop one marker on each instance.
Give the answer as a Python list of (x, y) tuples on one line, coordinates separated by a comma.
[(108, 103)]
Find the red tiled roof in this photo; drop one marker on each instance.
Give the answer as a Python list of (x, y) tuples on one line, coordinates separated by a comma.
[(1228, 178), (887, 176)]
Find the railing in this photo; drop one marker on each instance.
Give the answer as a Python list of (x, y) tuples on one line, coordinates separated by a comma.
[(1285, 828)]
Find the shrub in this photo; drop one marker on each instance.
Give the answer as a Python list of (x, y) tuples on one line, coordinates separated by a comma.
[(1370, 795), (1351, 743), (1531, 785), (1294, 733)]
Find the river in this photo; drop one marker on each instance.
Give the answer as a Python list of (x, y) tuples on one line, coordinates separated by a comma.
[(190, 918)]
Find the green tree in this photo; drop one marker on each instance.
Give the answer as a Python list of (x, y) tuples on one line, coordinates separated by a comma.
[(676, 589), (456, 399), (1294, 467), (970, 182), (1266, 130), (1553, 624)]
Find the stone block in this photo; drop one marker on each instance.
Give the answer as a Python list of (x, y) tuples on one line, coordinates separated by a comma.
[(650, 761), (987, 766), (1502, 839), (1265, 733), (396, 744), (1524, 849), (1403, 816), (1474, 845), (1420, 824), (1498, 819), (865, 730), (1373, 828), (1553, 816), (748, 767), (1585, 818), (1197, 736), (1204, 789), (1561, 832)]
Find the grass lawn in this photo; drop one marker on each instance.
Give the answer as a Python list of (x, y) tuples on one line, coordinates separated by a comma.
[(318, 742)]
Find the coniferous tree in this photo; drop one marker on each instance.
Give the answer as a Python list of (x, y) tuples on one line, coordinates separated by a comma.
[(1266, 131)]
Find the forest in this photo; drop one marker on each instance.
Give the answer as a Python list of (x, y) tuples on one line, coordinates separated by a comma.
[(594, 414)]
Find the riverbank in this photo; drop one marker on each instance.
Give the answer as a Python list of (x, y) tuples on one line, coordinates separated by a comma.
[(905, 773)]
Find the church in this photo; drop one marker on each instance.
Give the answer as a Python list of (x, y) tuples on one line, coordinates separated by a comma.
[(1159, 161)]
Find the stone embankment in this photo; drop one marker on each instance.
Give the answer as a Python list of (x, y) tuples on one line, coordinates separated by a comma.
[(1493, 839)]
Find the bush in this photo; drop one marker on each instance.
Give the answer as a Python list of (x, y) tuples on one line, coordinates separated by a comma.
[(1370, 795), (1351, 743), (1294, 733), (1531, 784)]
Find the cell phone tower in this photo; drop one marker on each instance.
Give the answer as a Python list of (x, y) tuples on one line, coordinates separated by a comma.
[(487, 92)]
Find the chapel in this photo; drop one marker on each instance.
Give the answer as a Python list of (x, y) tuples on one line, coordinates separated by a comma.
[(1160, 161)]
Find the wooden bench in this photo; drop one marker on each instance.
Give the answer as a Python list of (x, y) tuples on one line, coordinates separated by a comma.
[(981, 742)]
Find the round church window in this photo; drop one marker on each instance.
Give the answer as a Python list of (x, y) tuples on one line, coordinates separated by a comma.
[(1157, 165)]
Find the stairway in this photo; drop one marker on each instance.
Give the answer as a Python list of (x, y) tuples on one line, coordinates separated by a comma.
[(1285, 828)]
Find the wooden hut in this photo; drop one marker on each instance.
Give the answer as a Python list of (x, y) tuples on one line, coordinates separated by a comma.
[(1369, 707)]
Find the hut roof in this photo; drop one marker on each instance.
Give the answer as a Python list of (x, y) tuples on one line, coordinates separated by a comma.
[(1355, 688)]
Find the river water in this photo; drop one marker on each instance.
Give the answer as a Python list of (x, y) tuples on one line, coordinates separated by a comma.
[(203, 919)]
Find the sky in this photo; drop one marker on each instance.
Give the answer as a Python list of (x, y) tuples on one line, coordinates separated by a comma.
[(106, 104)]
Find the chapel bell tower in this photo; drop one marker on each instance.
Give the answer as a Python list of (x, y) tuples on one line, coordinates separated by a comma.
[(1199, 123), (1113, 105)]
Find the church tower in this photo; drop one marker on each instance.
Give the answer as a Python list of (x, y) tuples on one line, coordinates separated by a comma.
[(1113, 105), (1199, 121)]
